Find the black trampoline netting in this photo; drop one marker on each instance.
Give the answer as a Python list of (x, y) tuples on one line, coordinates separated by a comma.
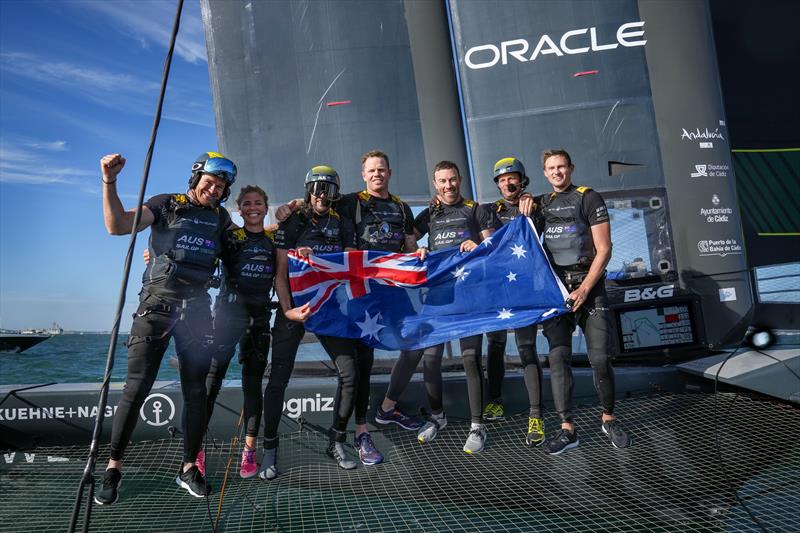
[(670, 480)]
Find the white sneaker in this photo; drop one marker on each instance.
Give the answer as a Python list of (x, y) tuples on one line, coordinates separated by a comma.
[(476, 439), (431, 428), (269, 467), (336, 452)]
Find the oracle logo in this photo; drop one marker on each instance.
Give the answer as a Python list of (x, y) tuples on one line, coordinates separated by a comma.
[(580, 41)]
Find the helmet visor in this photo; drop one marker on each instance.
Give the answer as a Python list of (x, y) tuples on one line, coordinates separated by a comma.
[(323, 188), (221, 168)]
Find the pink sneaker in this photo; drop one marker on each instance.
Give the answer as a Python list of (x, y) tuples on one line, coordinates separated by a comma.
[(249, 466), (200, 462)]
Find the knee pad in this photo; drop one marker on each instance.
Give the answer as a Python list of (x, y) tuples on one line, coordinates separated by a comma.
[(528, 355), (559, 353)]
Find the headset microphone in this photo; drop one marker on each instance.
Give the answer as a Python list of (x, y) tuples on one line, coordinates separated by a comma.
[(511, 187)]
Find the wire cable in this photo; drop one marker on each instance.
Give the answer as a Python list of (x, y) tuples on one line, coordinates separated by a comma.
[(88, 474), (718, 446)]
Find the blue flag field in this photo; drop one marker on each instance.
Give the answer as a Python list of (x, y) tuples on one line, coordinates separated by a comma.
[(394, 301)]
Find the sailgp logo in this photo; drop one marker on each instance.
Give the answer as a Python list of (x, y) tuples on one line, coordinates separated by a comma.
[(157, 410), (579, 41)]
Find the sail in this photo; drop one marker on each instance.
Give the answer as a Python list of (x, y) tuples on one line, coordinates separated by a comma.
[(297, 84), (630, 88)]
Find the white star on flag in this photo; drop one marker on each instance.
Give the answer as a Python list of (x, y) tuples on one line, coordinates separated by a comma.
[(460, 273), (370, 326), (487, 241), (518, 251), (512, 276), (505, 313)]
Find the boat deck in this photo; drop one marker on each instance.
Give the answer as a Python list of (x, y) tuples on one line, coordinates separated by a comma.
[(672, 479)]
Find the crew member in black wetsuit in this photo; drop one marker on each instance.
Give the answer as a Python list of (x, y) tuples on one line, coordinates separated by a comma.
[(382, 222), (450, 221), (242, 315), (510, 178), (317, 229), (577, 239), (185, 242)]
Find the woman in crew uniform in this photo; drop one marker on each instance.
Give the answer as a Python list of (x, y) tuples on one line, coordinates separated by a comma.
[(314, 229), (185, 242), (242, 315), (450, 221), (510, 178)]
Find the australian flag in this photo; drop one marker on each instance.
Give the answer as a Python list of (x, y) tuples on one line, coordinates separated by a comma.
[(394, 301)]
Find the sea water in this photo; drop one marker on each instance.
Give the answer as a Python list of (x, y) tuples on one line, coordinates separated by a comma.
[(81, 358)]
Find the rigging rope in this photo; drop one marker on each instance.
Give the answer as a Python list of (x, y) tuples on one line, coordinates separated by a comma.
[(88, 473)]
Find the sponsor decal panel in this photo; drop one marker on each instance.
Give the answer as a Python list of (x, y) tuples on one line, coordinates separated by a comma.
[(705, 138), (719, 247), (30, 458), (578, 41), (157, 410), (11, 414), (649, 293), (709, 170), (295, 407), (716, 214)]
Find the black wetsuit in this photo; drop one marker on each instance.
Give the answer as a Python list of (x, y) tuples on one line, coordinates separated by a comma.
[(326, 234), (525, 336), (447, 226), (242, 315), (567, 220), (380, 224), (185, 242)]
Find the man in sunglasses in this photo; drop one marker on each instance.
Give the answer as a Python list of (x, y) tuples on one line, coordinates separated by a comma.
[(185, 242)]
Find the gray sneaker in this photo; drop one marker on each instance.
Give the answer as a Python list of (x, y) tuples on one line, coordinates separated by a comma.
[(476, 440), (431, 428), (336, 452), (269, 465)]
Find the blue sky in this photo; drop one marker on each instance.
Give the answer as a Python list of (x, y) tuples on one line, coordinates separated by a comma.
[(79, 79)]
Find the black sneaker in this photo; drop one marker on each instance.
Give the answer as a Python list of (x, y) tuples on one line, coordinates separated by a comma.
[(194, 482), (563, 441), (616, 434), (109, 492)]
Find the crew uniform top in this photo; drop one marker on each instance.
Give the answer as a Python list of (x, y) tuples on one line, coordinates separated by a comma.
[(380, 224), (504, 211), (567, 218), (248, 264), (450, 225), (185, 242), (324, 234)]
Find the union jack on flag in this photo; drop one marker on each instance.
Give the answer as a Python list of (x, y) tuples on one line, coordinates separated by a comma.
[(395, 301), (353, 271)]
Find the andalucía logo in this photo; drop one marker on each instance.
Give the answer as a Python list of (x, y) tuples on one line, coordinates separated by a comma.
[(704, 137)]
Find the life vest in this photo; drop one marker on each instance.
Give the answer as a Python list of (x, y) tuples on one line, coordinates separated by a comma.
[(323, 234), (380, 225), (567, 234), (248, 265), (184, 246), (505, 211), (450, 225)]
